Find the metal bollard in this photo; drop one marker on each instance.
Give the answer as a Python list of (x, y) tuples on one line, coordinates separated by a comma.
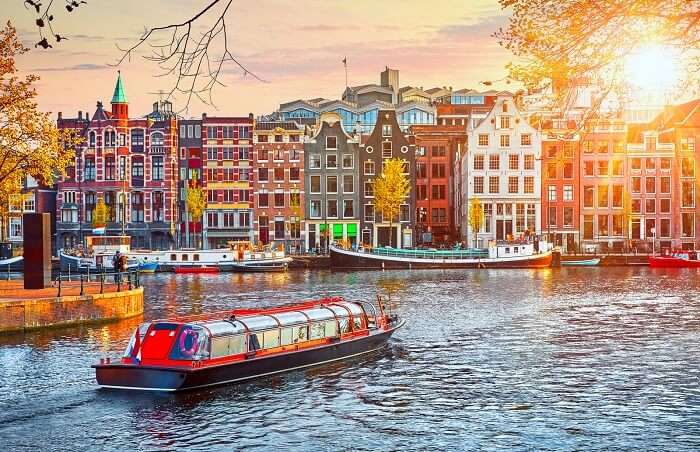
[(129, 275), (119, 283), (82, 289), (59, 285), (102, 282)]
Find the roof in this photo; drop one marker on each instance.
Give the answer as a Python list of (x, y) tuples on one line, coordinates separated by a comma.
[(272, 125), (119, 96), (678, 115)]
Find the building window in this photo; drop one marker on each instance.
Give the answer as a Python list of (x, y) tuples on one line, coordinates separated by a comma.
[(332, 184), (278, 155), (137, 207), (505, 122), (348, 183), (665, 163), (227, 152), (369, 168), (687, 224), (602, 196), (263, 200), (493, 184), (650, 185), (331, 161), (404, 213), (158, 170), (386, 149), (568, 170), (314, 161), (110, 168), (603, 147), (479, 184), (333, 208), (331, 142), (617, 167), (157, 139), (636, 184), (568, 193), (551, 170), (636, 163), (494, 161), (279, 198), (552, 216), (687, 167), (439, 192), (665, 228), (92, 139), (602, 167), (665, 205), (636, 205), (386, 130), (552, 192), (483, 139), (348, 208), (650, 164), (369, 213), (513, 161), (505, 141), (588, 168), (348, 161), (650, 205), (688, 193), (588, 227), (438, 170), (315, 184), (369, 189), (687, 143), (526, 139), (617, 196), (603, 225), (479, 162), (89, 168), (513, 184), (279, 174), (294, 174), (529, 162), (588, 196), (568, 217), (529, 182)]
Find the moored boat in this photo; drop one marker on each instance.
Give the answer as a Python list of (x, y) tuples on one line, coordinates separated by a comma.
[(675, 259), (581, 262), (148, 267), (510, 254), (97, 255), (197, 269), (233, 346)]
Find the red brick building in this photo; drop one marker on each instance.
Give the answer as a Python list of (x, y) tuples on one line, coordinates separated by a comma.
[(278, 156), (436, 149), (228, 179), (131, 165), (561, 180)]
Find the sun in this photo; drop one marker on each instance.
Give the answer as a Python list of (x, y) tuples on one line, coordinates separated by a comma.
[(652, 67)]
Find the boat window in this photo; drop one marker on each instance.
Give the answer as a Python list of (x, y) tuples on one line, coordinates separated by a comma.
[(192, 343), (141, 331), (227, 345), (331, 328), (344, 325), (184, 257), (285, 336), (300, 333), (317, 330), (255, 341), (173, 257), (290, 318), (225, 328), (259, 322), (357, 322), (271, 338), (195, 257)]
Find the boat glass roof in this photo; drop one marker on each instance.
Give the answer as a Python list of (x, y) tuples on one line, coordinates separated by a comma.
[(320, 313), (259, 322), (290, 318), (340, 311), (225, 327)]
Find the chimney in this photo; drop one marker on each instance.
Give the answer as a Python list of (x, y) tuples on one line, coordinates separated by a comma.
[(204, 116), (250, 116), (80, 114), (60, 115), (87, 116)]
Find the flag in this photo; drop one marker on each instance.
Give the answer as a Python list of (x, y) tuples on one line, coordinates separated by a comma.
[(149, 122), (99, 231), (345, 61)]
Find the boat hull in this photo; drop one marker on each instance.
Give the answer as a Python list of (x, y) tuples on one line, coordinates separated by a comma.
[(127, 376), (672, 262), (196, 269), (254, 268), (581, 263), (344, 259)]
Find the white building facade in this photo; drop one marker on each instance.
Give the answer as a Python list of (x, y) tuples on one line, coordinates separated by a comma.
[(502, 169)]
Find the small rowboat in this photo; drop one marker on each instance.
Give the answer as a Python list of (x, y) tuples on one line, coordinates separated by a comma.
[(582, 263), (197, 269), (233, 346)]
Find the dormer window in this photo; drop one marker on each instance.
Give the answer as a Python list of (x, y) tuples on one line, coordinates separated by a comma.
[(505, 122), (505, 107), (650, 143), (386, 130)]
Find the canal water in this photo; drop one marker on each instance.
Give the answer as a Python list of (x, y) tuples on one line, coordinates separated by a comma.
[(588, 358)]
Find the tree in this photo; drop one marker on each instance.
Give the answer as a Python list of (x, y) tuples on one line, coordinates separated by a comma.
[(476, 217), (30, 142), (100, 214), (627, 216), (564, 42), (196, 203), (390, 191)]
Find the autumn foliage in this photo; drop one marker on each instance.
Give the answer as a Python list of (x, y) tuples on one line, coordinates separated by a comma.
[(30, 143), (391, 190)]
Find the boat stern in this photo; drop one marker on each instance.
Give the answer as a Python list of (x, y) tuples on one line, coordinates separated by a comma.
[(139, 378)]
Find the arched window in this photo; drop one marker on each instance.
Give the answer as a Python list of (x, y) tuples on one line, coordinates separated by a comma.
[(157, 139), (110, 138), (92, 139)]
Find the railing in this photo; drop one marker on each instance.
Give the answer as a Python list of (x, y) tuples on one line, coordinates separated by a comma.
[(426, 254), (127, 280)]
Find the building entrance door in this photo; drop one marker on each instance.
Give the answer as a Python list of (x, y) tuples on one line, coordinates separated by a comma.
[(499, 230)]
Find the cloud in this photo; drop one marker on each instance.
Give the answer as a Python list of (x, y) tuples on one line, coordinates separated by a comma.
[(75, 67)]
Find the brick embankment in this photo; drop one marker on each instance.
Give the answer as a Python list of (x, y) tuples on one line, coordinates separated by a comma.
[(22, 309)]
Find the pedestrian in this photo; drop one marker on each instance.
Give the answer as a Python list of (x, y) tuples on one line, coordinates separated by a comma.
[(115, 266)]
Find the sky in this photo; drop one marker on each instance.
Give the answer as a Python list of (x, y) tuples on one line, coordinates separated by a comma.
[(296, 46)]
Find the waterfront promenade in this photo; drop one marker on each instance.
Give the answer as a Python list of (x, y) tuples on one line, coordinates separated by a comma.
[(72, 303)]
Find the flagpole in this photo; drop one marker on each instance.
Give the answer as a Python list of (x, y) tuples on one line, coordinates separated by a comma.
[(345, 63)]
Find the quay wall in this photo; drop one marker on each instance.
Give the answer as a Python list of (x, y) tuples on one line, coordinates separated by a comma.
[(25, 314)]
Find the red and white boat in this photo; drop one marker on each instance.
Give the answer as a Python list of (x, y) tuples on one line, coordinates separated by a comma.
[(675, 259), (233, 346)]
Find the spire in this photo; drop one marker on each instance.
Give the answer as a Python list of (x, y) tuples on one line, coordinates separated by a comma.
[(119, 96)]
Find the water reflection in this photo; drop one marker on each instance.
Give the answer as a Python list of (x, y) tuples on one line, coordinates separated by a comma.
[(555, 359)]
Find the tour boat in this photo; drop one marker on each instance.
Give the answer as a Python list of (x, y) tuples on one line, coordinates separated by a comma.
[(675, 259), (98, 254), (238, 345), (502, 254), (581, 263), (237, 257)]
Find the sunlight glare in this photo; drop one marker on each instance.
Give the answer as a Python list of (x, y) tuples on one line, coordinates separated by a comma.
[(652, 67)]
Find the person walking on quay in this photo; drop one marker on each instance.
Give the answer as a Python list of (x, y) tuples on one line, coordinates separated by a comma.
[(116, 265)]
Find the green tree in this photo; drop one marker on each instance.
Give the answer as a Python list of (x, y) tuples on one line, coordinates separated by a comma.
[(390, 191), (196, 203), (476, 216)]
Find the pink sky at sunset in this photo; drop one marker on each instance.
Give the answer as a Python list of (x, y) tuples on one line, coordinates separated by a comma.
[(297, 46)]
